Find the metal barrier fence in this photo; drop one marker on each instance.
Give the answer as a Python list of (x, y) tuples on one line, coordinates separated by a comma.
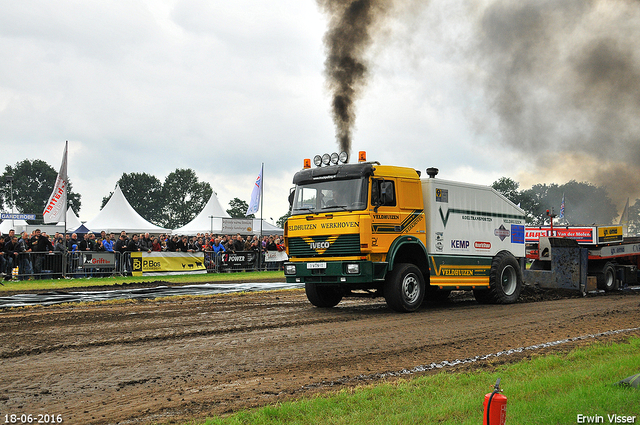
[(227, 262), (86, 264), (55, 265)]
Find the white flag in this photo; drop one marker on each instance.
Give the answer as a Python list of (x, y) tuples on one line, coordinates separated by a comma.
[(56, 208), (254, 204)]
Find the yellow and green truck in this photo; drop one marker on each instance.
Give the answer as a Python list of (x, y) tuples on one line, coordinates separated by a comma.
[(370, 230)]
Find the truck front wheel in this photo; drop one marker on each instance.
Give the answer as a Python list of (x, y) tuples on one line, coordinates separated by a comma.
[(322, 295), (404, 288), (505, 281)]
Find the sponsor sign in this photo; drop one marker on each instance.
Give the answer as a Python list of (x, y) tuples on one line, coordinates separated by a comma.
[(237, 225), (517, 233), (167, 263), (275, 256), (609, 234), (442, 195), (11, 216), (240, 259), (482, 245), (459, 244), (502, 232), (584, 235), (98, 260)]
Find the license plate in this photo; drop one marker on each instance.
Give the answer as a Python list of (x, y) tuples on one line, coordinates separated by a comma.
[(313, 266)]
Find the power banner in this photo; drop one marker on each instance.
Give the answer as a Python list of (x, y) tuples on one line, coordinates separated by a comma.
[(166, 263)]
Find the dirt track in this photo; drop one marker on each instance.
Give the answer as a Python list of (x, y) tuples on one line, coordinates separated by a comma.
[(171, 360)]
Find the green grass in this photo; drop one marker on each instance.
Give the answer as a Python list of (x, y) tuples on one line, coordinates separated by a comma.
[(550, 389), (54, 284)]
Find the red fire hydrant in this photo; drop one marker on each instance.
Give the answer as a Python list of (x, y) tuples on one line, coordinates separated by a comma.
[(495, 407)]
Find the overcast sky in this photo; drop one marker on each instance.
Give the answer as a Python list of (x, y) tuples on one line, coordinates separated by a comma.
[(221, 87)]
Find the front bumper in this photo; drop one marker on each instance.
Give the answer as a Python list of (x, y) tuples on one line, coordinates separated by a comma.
[(335, 272)]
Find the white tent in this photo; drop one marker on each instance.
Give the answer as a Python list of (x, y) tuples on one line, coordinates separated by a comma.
[(119, 215), (210, 221), (73, 222), (18, 225), (267, 228)]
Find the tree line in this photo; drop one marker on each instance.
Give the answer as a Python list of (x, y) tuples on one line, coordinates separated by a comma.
[(172, 203), (176, 201), (585, 203)]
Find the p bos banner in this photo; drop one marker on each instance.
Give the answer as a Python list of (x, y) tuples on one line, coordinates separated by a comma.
[(166, 263)]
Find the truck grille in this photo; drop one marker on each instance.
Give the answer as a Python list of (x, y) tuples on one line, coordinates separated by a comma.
[(343, 245)]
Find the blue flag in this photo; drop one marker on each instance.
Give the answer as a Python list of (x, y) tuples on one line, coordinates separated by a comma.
[(254, 204), (562, 208)]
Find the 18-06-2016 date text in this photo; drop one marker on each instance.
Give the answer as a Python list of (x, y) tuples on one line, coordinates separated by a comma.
[(28, 418)]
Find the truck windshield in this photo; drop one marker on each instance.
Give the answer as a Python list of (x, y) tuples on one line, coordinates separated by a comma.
[(334, 195)]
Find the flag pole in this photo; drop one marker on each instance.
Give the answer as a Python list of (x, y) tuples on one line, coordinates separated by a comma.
[(66, 210), (261, 205)]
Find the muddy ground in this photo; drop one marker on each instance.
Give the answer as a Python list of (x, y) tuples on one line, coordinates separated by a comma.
[(172, 360)]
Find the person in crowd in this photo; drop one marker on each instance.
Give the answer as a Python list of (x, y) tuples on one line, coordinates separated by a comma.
[(121, 244), (40, 244), (107, 243), (59, 245), (182, 245), (3, 261), (11, 255), (156, 246), (172, 244), (146, 243), (25, 266), (132, 245), (73, 241), (10, 236), (87, 244)]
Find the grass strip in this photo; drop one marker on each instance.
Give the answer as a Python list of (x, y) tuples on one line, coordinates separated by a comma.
[(55, 284), (546, 389)]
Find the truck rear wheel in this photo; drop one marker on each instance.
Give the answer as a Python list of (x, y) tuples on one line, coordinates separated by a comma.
[(404, 288), (322, 295), (505, 281), (607, 278)]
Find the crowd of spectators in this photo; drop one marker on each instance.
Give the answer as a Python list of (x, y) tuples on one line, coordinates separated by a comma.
[(13, 246)]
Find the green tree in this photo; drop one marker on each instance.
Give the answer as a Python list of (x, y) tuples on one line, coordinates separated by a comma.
[(509, 188), (144, 193), (282, 221), (32, 184), (634, 218), (238, 209), (183, 197)]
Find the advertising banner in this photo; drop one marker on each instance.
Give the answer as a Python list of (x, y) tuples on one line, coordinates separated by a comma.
[(165, 263), (275, 256), (587, 235), (101, 260), (238, 260), (237, 225)]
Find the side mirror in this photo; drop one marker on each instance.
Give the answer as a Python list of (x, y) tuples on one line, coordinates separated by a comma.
[(292, 193)]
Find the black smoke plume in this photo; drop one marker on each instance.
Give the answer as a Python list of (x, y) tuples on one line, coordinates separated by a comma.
[(351, 26), (564, 80)]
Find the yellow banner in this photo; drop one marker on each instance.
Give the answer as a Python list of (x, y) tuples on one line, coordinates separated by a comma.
[(167, 263), (299, 226), (609, 234)]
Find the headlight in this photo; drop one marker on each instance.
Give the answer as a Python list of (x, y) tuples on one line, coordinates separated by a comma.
[(353, 268), (289, 269)]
